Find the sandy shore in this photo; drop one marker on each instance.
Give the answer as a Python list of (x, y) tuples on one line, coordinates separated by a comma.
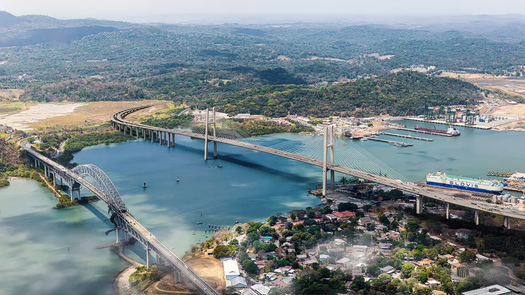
[(37, 113)]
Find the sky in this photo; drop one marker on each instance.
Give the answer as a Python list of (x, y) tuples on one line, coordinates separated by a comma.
[(150, 10)]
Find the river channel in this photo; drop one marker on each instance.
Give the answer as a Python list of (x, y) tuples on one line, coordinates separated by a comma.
[(34, 238)]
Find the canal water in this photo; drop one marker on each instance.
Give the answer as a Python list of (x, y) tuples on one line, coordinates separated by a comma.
[(34, 238)]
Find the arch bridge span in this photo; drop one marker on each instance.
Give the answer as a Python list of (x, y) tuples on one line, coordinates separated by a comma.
[(95, 180)]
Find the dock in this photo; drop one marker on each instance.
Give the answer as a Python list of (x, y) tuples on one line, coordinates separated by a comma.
[(450, 123), (406, 136), (423, 131), (389, 141)]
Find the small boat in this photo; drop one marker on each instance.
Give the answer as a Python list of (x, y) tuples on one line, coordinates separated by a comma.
[(199, 222), (178, 179), (219, 166), (193, 233), (144, 186)]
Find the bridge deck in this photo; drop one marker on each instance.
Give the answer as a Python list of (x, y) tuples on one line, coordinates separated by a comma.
[(436, 193)]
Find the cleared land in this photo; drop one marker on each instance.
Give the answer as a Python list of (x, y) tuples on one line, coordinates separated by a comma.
[(517, 110), (35, 113), (10, 94), (90, 115), (512, 86)]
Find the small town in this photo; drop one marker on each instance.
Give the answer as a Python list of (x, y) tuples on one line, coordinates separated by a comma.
[(352, 246)]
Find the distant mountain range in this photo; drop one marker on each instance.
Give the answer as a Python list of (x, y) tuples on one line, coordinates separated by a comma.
[(35, 29)]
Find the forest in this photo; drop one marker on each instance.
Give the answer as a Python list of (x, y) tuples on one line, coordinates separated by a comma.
[(402, 93)]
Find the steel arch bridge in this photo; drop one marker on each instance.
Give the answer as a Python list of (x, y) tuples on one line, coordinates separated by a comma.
[(101, 180), (95, 180)]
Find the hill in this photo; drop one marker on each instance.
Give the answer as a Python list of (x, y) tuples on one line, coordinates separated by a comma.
[(7, 19), (402, 93)]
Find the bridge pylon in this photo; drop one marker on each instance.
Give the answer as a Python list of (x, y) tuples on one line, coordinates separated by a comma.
[(328, 144), (206, 136)]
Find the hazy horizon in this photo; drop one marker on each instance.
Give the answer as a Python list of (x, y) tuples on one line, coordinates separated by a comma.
[(208, 11)]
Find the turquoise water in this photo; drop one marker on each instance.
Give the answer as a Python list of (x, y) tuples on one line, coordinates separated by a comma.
[(251, 186), (34, 242)]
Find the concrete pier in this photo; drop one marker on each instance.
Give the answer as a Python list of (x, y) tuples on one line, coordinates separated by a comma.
[(419, 204), (447, 214), (147, 257), (476, 217)]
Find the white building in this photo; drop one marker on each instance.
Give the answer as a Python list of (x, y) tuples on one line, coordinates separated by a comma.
[(238, 282), (231, 269), (260, 289), (489, 290)]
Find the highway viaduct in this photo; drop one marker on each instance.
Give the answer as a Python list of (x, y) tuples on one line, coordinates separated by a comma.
[(167, 137)]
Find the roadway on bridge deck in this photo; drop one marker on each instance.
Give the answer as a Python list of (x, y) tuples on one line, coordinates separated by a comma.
[(155, 244), (437, 194)]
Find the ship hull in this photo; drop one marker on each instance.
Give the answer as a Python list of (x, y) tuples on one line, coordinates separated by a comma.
[(472, 189)]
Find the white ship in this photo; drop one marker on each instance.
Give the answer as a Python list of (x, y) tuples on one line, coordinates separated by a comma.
[(464, 183)]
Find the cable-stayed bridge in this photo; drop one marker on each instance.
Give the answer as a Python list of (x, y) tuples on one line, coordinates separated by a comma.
[(317, 151)]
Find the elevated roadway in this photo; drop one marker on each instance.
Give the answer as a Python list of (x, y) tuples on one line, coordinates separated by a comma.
[(119, 122)]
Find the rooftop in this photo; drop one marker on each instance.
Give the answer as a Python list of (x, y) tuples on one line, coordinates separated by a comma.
[(489, 290)]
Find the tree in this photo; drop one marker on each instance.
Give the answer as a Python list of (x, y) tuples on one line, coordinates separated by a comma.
[(467, 256), (272, 220), (250, 267), (155, 274), (347, 207), (407, 269), (234, 242), (422, 276), (359, 284), (469, 283), (292, 216), (373, 270), (471, 242), (238, 230)]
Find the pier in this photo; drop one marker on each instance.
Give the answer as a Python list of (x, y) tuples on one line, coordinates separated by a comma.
[(450, 123), (425, 132), (404, 144), (406, 136)]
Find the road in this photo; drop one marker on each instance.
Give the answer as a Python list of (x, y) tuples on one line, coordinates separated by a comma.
[(437, 194)]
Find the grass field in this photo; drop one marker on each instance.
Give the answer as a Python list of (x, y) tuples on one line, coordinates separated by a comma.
[(11, 107)]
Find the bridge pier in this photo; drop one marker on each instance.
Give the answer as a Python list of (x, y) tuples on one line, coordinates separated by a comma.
[(137, 132), (206, 136), (117, 235), (159, 137), (169, 140), (419, 204), (447, 213), (476, 217), (177, 278), (506, 222), (173, 140), (147, 256), (327, 146)]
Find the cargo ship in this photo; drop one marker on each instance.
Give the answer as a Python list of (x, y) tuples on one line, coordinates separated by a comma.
[(451, 130), (464, 183)]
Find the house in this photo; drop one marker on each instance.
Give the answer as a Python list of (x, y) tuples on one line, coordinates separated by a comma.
[(339, 242), (271, 276), (331, 217), (385, 248), (279, 283), (388, 269), (432, 283), (252, 256), (360, 249), (231, 269), (481, 258), (489, 290), (364, 221), (238, 282), (324, 257), (345, 262), (302, 257), (266, 239), (423, 262), (344, 214), (260, 289), (463, 233), (446, 257)]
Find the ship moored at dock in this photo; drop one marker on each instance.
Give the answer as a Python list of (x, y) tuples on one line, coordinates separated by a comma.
[(464, 183)]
